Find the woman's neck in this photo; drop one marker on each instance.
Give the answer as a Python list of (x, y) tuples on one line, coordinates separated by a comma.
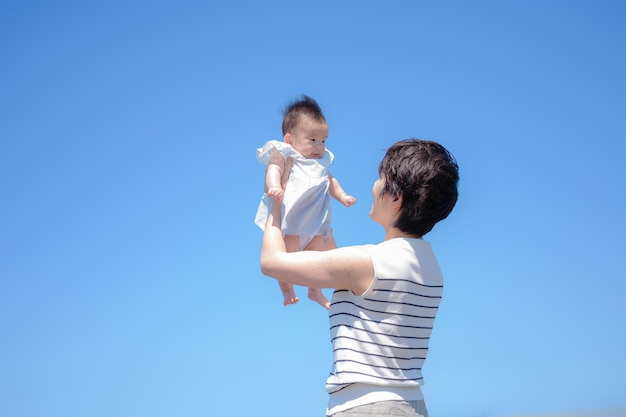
[(394, 233)]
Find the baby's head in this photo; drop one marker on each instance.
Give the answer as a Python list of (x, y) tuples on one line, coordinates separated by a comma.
[(305, 128)]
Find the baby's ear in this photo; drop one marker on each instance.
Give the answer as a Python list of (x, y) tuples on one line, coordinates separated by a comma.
[(288, 138)]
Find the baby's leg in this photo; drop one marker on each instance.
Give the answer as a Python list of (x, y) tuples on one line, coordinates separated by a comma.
[(292, 244), (330, 243), (316, 294)]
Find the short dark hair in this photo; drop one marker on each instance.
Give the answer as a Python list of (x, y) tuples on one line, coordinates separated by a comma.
[(305, 106), (426, 176)]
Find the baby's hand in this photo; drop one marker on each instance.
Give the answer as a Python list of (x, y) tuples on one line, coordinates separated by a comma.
[(276, 193), (348, 200)]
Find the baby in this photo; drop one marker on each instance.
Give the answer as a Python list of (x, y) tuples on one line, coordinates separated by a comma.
[(306, 214)]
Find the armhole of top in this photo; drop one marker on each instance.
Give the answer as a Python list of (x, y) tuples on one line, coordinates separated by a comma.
[(368, 249)]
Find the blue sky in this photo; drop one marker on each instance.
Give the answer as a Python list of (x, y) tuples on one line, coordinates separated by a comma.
[(129, 277)]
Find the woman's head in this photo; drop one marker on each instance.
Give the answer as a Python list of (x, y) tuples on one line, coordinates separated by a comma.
[(425, 176)]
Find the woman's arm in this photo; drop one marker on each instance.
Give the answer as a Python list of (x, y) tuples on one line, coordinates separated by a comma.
[(347, 268)]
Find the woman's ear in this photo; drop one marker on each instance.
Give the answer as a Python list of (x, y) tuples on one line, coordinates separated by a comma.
[(397, 202)]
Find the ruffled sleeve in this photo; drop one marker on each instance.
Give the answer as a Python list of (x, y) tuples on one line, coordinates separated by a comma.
[(331, 156), (264, 154)]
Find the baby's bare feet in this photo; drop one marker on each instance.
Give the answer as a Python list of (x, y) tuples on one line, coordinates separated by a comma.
[(316, 295), (290, 297)]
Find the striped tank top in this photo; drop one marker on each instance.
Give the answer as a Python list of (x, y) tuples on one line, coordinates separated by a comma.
[(380, 339)]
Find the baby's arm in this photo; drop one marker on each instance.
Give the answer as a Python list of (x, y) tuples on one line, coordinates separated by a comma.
[(273, 176), (337, 192)]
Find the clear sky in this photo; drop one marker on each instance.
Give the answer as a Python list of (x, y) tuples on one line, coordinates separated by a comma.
[(129, 276)]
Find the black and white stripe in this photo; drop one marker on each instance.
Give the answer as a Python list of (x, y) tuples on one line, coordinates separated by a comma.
[(381, 338)]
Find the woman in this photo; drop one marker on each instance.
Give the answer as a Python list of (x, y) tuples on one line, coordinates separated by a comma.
[(386, 295)]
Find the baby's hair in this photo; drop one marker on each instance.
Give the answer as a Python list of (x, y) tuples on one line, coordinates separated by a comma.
[(304, 107)]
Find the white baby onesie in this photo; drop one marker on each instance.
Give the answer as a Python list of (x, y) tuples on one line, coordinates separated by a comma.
[(306, 204)]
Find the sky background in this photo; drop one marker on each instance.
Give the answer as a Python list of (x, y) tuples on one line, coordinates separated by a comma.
[(129, 261)]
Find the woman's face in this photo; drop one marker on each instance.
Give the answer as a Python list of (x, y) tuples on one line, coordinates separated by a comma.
[(384, 208), (377, 206)]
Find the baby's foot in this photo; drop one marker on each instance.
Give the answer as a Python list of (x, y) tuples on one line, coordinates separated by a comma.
[(290, 297), (316, 295)]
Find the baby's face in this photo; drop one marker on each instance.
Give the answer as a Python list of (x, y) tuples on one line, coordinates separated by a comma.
[(309, 138)]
